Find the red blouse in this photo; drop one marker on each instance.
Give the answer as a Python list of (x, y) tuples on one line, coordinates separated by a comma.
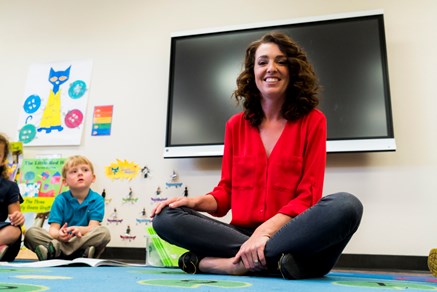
[(289, 181)]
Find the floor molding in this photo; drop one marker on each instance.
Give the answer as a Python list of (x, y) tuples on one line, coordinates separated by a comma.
[(346, 261), (136, 254), (383, 262)]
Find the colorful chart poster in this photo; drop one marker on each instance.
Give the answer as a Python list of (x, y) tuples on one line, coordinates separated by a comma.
[(102, 120), (44, 174), (54, 104)]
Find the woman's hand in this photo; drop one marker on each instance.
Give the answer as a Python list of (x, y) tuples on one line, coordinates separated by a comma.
[(251, 253), (172, 203), (205, 203)]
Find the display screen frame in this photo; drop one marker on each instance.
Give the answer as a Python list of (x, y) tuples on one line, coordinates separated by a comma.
[(195, 123)]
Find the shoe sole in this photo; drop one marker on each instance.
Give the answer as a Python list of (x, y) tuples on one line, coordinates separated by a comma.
[(281, 269), (91, 252), (41, 257)]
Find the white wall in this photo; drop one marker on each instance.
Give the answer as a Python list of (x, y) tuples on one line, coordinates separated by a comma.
[(129, 44)]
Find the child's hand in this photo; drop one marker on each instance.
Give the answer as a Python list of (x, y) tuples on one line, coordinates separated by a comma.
[(74, 231), (65, 233), (16, 218)]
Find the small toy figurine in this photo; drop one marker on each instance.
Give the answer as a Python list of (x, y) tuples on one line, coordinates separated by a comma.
[(186, 192), (130, 197), (114, 218), (127, 235), (145, 171), (107, 200), (174, 181), (158, 191), (143, 218), (174, 176)]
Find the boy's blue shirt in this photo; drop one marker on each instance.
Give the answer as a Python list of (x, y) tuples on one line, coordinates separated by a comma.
[(66, 209)]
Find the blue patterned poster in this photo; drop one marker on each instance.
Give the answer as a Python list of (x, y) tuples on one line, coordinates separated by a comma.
[(54, 104)]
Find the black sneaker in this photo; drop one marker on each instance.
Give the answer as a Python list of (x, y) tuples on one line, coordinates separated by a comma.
[(189, 263), (288, 268)]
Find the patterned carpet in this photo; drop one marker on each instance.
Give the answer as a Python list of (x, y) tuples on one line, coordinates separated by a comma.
[(142, 278)]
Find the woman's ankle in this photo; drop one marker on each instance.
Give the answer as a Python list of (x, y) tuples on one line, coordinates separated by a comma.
[(225, 266)]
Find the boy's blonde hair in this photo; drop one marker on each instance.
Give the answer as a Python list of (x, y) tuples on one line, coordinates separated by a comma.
[(74, 161)]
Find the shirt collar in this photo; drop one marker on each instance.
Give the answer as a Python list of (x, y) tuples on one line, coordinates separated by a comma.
[(71, 198)]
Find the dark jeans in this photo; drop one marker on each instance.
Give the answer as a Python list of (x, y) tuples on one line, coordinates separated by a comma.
[(315, 238)]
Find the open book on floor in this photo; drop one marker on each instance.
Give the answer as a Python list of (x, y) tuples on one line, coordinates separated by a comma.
[(76, 262)]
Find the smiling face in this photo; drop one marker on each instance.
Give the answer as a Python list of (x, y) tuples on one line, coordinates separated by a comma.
[(271, 71)]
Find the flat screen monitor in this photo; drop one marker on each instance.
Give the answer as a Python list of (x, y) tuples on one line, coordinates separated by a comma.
[(348, 52)]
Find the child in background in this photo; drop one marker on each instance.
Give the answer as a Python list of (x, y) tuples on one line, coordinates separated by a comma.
[(10, 199), (74, 219)]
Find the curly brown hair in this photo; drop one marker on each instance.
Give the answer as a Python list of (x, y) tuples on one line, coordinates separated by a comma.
[(3, 168), (301, 96)]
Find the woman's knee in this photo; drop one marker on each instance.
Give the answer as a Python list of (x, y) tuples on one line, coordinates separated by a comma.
[(349, 205), (163, 219)]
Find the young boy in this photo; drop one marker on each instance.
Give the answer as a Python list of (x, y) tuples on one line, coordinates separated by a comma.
[(74, 218), (10, 199)]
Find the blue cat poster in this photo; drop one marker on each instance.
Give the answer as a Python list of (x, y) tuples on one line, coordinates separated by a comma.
[(54, 104)]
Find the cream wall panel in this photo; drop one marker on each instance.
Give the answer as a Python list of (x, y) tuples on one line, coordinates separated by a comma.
[(129, 43)]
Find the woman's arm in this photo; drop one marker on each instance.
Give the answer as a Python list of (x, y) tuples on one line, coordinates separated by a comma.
[(205, 203), (272, 225)]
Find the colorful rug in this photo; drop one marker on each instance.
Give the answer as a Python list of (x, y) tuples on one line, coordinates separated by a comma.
[(169, 279)]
